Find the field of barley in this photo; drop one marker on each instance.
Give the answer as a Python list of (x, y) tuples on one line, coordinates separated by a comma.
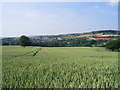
[(59, 67)]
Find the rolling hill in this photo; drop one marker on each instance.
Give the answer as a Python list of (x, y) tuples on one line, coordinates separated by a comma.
[(101, 36)]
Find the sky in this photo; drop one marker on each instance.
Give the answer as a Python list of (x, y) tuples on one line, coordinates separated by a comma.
[(53, 18)]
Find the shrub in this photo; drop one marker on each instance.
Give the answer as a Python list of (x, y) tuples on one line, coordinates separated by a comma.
[(113, 45)]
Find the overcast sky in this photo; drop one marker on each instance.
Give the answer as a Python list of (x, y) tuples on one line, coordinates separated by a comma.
[(50, 18)]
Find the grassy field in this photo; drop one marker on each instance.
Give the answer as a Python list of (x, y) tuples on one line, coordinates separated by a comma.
[(59, 67)]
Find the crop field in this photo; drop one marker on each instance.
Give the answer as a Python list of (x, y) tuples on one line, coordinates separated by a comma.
[(59, 67)]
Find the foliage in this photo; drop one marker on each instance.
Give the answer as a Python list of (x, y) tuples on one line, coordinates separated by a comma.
[(9, 41), (59, 67), (24, 41), (113, 45), (88, 39), (79, 42), (106, 31)]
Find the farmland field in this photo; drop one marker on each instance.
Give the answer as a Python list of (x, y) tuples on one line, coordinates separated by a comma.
[(59, 67)]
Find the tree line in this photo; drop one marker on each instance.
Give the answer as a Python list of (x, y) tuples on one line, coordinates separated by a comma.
[(78, 42), (113, 45)]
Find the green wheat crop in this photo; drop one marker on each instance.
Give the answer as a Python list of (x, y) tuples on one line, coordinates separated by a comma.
[(59, 67)]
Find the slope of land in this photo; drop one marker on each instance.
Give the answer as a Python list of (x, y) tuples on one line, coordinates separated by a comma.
[(99, 37)]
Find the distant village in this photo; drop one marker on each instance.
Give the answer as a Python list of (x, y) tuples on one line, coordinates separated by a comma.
[(98, 37)]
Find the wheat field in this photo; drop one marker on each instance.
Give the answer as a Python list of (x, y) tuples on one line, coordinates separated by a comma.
[(59, 67)]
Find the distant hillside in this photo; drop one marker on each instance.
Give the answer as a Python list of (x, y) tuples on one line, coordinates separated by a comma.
[(106, 31), (76, 39), (94, 35)]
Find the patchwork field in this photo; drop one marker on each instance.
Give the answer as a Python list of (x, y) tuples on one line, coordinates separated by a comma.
[(59, 67)]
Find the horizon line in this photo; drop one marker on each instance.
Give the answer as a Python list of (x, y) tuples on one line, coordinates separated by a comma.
[(57, 34)]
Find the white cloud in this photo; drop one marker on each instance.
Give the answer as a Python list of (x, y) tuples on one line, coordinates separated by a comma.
[(96, 7), (49, 21), (113, 2), (114, 13), (33, 14)]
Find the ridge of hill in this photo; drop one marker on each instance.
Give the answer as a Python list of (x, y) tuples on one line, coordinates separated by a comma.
[(104, 35), (96, 35)]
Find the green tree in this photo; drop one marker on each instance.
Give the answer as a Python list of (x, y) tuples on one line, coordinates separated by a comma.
[(24, 41), (113, 45)]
